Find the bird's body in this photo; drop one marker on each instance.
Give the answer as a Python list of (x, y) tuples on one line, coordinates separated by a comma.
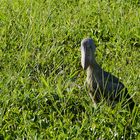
[(101, 84)]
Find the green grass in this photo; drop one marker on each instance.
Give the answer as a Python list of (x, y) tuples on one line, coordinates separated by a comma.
[(42, 92)]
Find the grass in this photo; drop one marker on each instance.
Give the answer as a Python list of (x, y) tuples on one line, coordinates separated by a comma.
[(42, 92)]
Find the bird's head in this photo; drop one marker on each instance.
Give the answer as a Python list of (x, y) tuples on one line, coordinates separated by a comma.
[(87, 50)]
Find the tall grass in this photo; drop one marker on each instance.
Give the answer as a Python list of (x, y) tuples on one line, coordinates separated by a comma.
[(42, 92)]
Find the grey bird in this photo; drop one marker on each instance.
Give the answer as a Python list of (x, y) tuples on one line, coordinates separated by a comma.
[(101, 84)]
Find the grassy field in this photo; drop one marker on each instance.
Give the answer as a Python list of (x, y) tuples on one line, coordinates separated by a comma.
[(42, 91)]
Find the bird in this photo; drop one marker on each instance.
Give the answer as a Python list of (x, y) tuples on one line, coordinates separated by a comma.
[(101, 84)]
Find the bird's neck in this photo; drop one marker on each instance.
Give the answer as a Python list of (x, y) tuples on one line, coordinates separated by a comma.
[(93, 66), (93, 69)]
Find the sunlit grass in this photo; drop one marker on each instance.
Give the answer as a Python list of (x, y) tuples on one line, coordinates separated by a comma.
[(42, 91)]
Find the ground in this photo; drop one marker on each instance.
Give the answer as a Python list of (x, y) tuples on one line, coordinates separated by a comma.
[(42, 91)]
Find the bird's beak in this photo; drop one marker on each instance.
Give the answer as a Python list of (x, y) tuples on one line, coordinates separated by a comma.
[(84, 58)]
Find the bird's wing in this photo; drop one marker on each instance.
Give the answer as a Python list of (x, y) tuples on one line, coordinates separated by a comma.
[(111, 83)]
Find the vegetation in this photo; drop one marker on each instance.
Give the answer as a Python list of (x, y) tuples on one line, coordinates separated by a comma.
[(42, 91)]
